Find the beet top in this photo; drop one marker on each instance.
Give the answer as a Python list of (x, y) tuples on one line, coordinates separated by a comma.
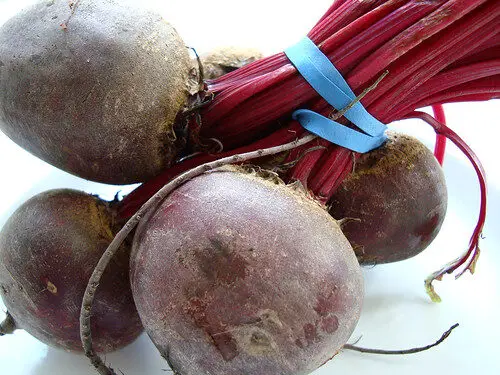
[(93, 87), (393, 203), (234, 274), (48, 250)]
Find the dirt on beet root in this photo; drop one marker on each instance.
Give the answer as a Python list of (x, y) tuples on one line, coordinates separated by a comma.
[(394, 202)]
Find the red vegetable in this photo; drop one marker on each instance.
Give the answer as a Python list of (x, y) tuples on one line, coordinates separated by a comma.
[(393, 203), (48, 249), (97, 96), (435, 52), (218, 295)]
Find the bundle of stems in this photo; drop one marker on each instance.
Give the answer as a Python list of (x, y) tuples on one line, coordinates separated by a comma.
[(430, 52)]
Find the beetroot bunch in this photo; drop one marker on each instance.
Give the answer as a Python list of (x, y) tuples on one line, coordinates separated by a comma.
[(240, 269)]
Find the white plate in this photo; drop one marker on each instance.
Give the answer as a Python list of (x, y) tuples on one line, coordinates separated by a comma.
[(397, 313)]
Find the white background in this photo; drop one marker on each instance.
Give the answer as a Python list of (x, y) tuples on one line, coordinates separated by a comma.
[(397, 313)]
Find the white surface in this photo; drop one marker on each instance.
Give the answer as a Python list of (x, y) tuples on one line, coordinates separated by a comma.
[(397, 313)]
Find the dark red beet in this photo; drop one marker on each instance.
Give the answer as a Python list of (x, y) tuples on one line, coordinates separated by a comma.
[(48, 250), (393, 203), (235, 274)]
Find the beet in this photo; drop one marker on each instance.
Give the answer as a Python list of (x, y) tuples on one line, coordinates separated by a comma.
[(393, 203), (93, 87), (48, 250), (234, 274), (224, 60)]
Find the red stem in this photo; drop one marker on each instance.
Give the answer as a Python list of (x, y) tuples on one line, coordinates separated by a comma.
[(433, 55), (470, 257), (343, 15), (481, 89), (306, 162), (361, 45), (440, 148), (340, 14), (480, 54), (243, 118), (133, 201), (326, 181), (445, 15), (451, 78)]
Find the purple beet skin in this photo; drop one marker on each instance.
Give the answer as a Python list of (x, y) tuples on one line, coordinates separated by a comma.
[(48, 250), (394, 202), (234, 274)]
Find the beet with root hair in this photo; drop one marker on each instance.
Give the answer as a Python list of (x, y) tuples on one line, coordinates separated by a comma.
[(93, 87), (48, 250), (235, 274), (394, 202)]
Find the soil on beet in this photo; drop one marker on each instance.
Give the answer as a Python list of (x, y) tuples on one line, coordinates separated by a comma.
[(393, 205)]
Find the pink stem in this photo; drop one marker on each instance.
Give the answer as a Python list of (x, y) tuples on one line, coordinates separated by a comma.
[(471, 255), (440, 148), (444, 16), (133, 201)]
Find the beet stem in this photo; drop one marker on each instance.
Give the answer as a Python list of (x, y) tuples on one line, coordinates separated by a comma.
[(440, 148), (8, 326), (151, 204), (471, 255), (402, 352)]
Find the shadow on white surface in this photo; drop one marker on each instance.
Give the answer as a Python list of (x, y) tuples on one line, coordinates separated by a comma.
[(377, 303), (140, 357)]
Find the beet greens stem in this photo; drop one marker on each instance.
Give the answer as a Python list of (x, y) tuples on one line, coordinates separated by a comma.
[(471, 255), (151, 204), (402, 352), (440, 148), (8, 326)]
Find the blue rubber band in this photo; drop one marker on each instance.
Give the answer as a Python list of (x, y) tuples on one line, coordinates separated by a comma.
[(322, 75), (340, 134)]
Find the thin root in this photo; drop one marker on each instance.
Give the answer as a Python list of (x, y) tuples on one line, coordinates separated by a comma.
[(443, 337), (336, 115), (285, 166), (201, 76), (152, 204)]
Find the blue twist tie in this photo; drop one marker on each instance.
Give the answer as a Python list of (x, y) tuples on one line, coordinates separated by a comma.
[(322, 75)]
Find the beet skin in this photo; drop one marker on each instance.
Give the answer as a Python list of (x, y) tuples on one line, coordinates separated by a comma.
[(93, 87), (234, 274), (393, 203), (48, 250)]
